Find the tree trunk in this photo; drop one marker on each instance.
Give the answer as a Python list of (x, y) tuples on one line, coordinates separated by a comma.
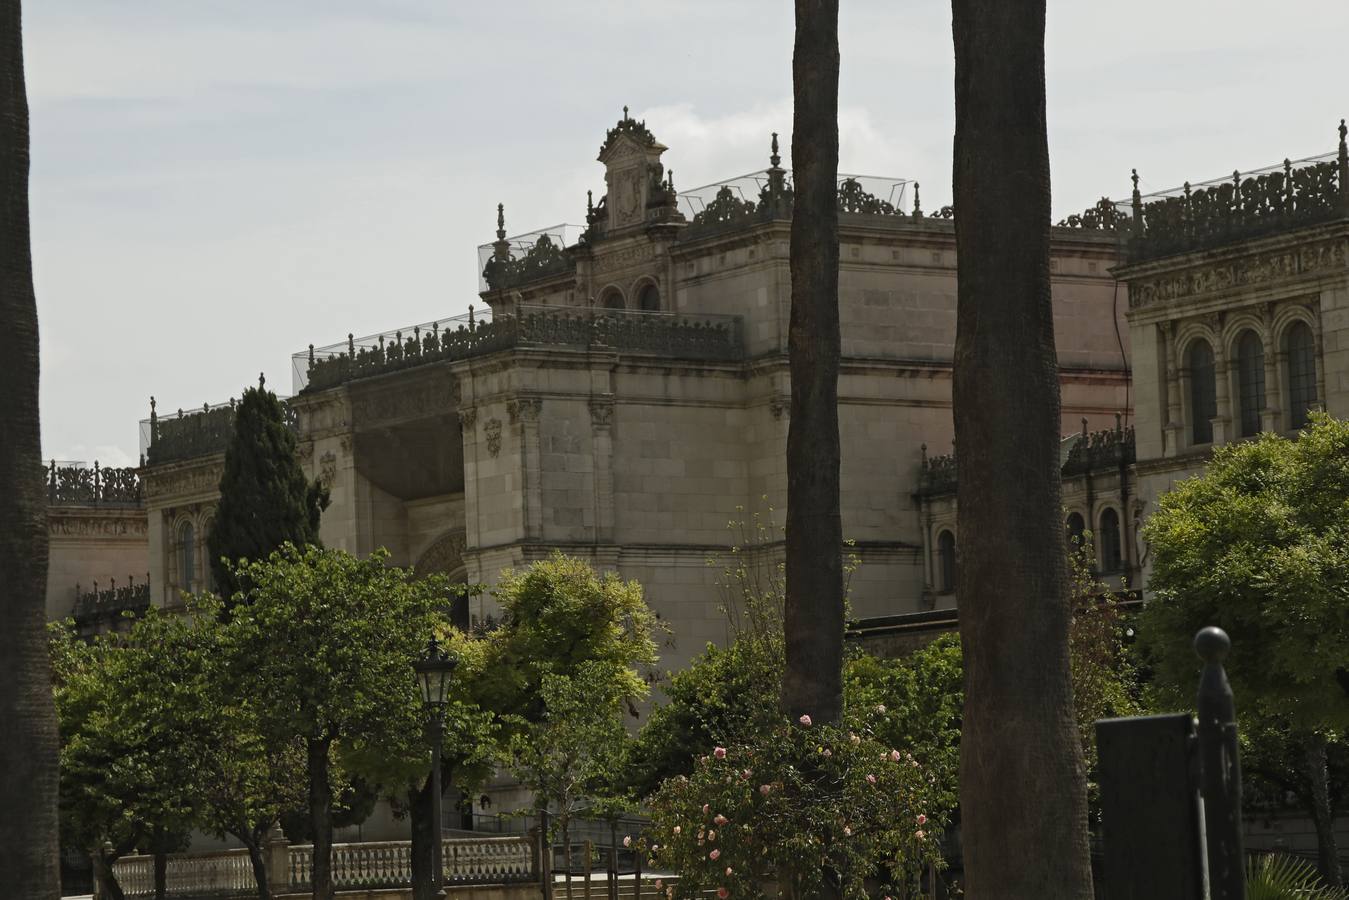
[(259, 863), (813, 681), (423, 840), (1022, 785), (321, 818), (29, 865), (161, 871), (1318, 776)]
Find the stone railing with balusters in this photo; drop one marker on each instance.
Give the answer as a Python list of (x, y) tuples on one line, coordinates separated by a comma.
[(706, 337), (383, 864), (71, 485), (225, 873), (1246, 205)]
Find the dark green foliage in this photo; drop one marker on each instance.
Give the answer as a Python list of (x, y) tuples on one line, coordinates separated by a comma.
[(265, 499), (723, 697)]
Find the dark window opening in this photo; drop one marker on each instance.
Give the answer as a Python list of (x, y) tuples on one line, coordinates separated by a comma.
[(1203, 392), (1251, 382), (1111, 558), (1301, 350), (946, 561)]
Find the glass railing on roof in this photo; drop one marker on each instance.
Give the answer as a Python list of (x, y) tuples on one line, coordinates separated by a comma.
[(509, 261), (703, 336), (188, 434), (1242, 205), (318, 368)]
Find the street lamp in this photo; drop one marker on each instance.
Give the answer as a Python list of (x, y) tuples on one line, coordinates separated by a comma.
[(433, 674)]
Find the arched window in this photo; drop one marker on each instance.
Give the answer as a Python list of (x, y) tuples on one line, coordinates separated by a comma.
[(649, 299), (1203, 392), (1074, 530), (612, 299), (1111, 560), (1251, 381), (187, 557), (1301, 351), (946, 562)]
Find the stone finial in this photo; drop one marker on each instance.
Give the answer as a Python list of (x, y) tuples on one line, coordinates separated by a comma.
[(470, 317), (1344, 133), (501, 221), (590, 205), (626, 117), (262, 381), (1119, 423), (774, 159), (669, 180), (1084, 426), (351, 345), (917, 203)]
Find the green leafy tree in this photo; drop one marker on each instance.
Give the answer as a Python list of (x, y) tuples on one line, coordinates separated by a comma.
[(569, 757), (558, 615), (265, 499), (134, 729), (1258, 546), (326, 642)]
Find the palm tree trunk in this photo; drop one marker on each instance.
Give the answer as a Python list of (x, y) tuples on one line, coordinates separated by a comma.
[(1318, 775), (28, 754), (1022, 785), (813, 681), (321, 819)]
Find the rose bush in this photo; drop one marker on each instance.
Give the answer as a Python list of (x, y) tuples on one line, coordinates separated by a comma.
[(799, 804)]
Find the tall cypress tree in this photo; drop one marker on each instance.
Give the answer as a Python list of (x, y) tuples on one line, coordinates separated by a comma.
[(265, 499)]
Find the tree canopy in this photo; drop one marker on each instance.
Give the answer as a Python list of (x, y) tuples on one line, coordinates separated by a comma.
[(1259, 546)]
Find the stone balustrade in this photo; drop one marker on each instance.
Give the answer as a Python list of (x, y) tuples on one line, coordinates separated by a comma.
[(383, 864), (194, 433)]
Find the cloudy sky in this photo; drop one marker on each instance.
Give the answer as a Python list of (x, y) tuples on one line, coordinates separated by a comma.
[(218, 183)]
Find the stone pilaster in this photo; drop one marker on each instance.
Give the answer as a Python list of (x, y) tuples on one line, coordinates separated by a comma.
[(601, 422), (524, 416)]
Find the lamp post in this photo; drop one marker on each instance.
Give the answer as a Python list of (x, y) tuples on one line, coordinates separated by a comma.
[(433, 674)]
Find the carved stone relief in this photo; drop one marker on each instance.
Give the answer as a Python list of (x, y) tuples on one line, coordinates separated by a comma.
[(427, 399), (1250, 270), (524, 409), (328, 469), (492, 430), (601, 412)]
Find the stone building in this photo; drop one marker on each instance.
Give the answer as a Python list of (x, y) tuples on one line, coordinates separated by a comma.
[(624, 395)]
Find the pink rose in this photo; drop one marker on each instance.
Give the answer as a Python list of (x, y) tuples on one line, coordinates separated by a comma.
[(728, 871), (721, 820), (719, 752), (919, 834), (627, 840), (714, 855), (847, 832), (711, 835), (678, 829), (705, 808), (660, 883), (826, 753), (722, 893), (764, 789), (895, 756), (855, 739), (922, 819), (871, 779), (880, 708), (804, 720)]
